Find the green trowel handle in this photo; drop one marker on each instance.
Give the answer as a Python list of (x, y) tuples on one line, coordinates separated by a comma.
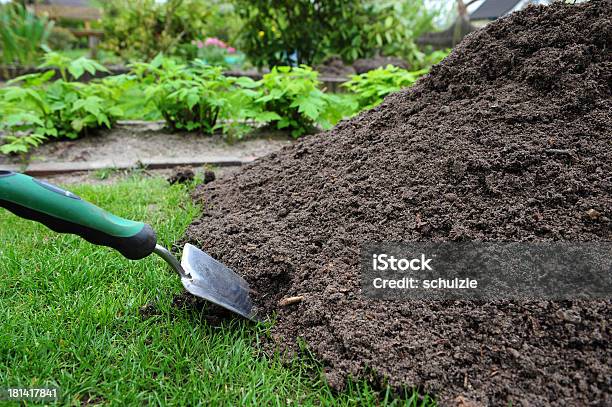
[(64, 212)]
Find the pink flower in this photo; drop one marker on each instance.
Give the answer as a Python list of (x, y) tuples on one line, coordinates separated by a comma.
[(214, 42), (200, 44), (231, 50)]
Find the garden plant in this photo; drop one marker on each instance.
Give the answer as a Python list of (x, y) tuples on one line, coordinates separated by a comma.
[(23, 36), (142, 29), (188, 97), (280, 32), (191, 98), (35, 107), (291, 99), (371, 87)]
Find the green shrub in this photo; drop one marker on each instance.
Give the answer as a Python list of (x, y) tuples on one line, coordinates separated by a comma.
[(23, 35), (195, 97), (428, 59), (141, 29), (61, 39), (130, 98), (371, 87), (224, 22), (200, 97), (282, 32), (381, 28), (39, 108), (291, 99)]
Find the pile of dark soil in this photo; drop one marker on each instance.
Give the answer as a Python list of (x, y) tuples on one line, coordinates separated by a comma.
[(508, 139)]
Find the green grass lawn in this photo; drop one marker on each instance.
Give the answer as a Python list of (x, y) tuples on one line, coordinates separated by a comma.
[(71, 318)]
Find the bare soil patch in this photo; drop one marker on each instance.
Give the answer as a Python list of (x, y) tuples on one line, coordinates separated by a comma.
[(508, 139), (150, 140)]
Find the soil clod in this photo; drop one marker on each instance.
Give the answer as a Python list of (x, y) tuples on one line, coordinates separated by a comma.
[(209, 176), (182, 175)]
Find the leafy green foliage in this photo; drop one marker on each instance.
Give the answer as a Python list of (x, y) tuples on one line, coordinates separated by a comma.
[(291, 99), (131, 96), (195, 97), (281, 32), (381, 28), (142, 29), (372, 87), (39, 108), (22, 35), (200, 97), (76, 68), (223, 22), (429, 59), (61, 38)]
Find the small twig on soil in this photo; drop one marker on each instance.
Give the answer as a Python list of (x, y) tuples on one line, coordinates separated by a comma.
[(290, 301)]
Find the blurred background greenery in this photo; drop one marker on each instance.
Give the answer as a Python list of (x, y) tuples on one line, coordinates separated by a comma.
[(238, 33)]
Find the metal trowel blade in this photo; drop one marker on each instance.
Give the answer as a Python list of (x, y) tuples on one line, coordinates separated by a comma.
[(211, 280)]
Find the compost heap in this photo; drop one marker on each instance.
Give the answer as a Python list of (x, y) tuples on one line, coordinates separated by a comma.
[(508, 139)]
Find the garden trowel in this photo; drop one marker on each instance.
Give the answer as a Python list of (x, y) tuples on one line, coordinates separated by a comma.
[(64, 212)]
